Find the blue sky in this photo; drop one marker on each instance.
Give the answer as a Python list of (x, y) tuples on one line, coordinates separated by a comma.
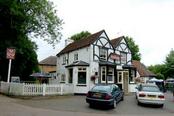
[(149, 22)]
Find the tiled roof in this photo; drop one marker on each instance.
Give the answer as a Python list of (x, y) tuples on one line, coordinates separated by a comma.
[(142, 70), (81, 43), (51, 60), (116, 41)]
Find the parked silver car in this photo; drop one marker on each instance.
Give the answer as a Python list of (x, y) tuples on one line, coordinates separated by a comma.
[(149, 94)]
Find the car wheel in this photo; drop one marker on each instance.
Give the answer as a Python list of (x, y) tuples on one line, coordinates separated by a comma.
[(161, 105), (91, 105), (138, 102), (122, 98), (114, 104)]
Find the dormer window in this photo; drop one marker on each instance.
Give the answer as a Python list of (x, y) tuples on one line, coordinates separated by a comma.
[(103, 54), (76, 57)]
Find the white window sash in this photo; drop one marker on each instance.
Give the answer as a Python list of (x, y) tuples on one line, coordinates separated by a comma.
[(112, 74), (118, 76), (102, 74)]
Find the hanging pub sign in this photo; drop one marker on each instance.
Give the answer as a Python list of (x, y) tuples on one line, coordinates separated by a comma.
[(10, 53), (115, 57)]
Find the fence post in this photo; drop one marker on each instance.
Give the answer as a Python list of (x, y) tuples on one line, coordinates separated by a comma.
[(23, 84), (44, 89), (61, 89)]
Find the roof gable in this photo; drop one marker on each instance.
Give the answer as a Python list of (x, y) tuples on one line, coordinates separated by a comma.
[(103, 41), (115, 42), (51, 60), (121, 44), (81, 43), (142, 70)]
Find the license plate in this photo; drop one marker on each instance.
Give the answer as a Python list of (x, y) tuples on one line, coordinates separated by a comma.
[(151, 96), (97, 95)]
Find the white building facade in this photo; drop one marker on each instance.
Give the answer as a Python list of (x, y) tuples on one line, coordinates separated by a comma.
[(94, 60)]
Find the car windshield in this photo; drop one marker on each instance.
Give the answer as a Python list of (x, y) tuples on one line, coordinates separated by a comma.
[(150, 89), (102, 88)]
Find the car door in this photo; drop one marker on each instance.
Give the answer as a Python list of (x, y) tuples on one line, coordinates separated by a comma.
[(116, 93), (120, 93)]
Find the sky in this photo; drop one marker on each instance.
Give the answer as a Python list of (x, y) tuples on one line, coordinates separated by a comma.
[(149, 22)]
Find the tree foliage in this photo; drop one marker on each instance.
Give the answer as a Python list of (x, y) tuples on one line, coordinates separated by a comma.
[(134, 48), (159, 70), (80, 35), (33, 17), (165, 70), (170, 64), (19, 21)]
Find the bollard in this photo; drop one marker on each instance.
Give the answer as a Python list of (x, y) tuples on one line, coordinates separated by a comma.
[(44, 89)]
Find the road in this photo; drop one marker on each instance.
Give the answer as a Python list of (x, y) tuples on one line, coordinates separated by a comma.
[(76, 106)]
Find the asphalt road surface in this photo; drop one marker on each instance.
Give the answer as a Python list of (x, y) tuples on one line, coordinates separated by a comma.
[(76, 106)]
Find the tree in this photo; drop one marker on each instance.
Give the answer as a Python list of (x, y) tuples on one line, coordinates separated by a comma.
[(134, 48), (159, 70), (20, 20), (170, 64), (80, 35), (32, 17), (165, 70)]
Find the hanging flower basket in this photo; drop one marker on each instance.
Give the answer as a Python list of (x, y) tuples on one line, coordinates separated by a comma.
[(93, 78)]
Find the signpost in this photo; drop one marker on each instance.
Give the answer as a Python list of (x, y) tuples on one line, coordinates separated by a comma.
[(10, 54)]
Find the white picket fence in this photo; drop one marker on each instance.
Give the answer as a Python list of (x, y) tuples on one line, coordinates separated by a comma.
[(26, 89)]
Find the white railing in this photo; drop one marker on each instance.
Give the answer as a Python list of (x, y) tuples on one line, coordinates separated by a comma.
[(27, 89)]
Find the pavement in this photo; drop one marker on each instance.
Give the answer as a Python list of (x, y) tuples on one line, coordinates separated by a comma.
[(169, 101), (63, 106)]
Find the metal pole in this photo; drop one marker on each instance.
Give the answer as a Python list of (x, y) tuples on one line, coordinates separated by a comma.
[(9, 69)]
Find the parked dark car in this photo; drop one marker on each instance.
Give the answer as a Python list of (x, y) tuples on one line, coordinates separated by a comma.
[(106, 95)]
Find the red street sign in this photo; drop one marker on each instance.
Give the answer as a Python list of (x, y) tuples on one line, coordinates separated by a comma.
[(10, 53)]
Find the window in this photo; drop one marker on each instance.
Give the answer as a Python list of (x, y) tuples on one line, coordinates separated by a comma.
[(64, 59), (123, 57), (117, 61), (103, 54), (76, 57), (132, 76), (119, 77), (62, 78), (110, 75), (81, 75), (150, 89), (70, 78), (103, 74)]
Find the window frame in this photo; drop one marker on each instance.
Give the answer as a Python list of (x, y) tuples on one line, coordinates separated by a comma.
[(103, 67), (101, 51), (76, 57), (70, 77), (64, 60), (62, 78), (121, 57), (112, 75), (132, 76), (81, 70), (120, 73)]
